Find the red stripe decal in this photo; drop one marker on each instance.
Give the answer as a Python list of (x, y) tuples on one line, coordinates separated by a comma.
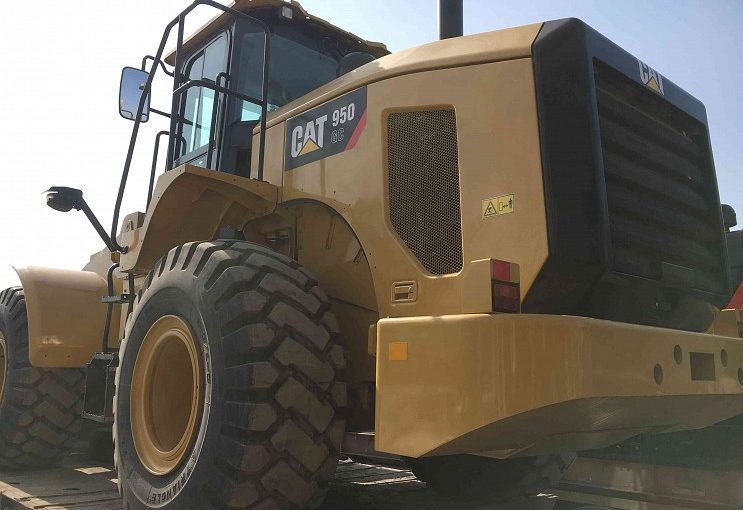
[(737, 301), (357, 132)]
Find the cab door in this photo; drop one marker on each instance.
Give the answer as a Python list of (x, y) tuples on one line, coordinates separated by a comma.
[(201, 109)]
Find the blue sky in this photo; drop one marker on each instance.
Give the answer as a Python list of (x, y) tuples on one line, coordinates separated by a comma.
[(61, 66)]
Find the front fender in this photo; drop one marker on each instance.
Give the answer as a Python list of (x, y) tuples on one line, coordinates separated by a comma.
[(65, 316)]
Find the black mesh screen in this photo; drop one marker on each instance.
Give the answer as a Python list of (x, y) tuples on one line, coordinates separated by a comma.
[(424, 186)]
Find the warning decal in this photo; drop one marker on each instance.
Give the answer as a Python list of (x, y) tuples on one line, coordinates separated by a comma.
[(326, 130), (497, 206)]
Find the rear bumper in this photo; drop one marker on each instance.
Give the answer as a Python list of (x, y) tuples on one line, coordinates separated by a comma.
[(505, 385)]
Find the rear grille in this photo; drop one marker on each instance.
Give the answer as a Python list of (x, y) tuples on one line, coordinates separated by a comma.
[(660, 186), (424, 186)]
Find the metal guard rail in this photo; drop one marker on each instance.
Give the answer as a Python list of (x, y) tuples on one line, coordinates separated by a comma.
[(179, 88)]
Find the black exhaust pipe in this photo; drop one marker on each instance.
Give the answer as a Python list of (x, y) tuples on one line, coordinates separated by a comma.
[(451, 22)]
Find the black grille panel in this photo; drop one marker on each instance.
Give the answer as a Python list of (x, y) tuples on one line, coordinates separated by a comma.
[(660, 186), (424, 186), (633, 216)]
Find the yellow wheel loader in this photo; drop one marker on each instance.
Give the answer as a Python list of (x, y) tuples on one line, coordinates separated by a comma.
[(482, 254)]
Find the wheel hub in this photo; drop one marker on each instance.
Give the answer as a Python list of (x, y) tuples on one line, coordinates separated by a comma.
[(165, 400)]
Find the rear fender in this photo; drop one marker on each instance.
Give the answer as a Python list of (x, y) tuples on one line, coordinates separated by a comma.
[(192, 204)]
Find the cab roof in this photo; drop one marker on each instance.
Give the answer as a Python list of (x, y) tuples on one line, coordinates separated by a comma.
[(204, 32)]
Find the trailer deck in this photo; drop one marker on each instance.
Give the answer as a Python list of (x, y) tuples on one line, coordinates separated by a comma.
[(590, 484), (623, 485), (78, 486)]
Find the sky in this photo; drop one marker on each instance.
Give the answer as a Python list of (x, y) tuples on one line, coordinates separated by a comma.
[(61, 65)]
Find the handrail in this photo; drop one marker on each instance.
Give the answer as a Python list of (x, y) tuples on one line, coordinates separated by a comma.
[(213, 127), (162, 65), (179, 21), (216, 88), (154, 166)]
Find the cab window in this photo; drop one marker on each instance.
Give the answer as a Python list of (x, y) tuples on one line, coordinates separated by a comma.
[(198, 105), (297, 66)]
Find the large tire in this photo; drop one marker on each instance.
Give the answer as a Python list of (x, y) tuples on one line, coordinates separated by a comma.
[(270, 431), (473, 478), (40, 409)]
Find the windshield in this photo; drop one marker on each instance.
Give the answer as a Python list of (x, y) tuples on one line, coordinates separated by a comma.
[(297, 66)]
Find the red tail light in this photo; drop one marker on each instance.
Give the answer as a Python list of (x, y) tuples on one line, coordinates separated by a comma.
[(506, 289)]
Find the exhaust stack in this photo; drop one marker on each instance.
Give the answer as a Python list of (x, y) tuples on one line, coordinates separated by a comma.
[(451, 22)]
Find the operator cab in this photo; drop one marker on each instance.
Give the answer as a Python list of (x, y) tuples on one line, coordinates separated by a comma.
[(304, 54)]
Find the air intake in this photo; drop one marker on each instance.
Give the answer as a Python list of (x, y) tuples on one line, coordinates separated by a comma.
[(424, 186)]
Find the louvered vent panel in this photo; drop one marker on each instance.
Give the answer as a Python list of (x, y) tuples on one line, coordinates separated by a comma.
[(659, 185), (424, 186)]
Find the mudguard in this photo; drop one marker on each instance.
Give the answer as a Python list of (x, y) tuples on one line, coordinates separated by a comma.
[(192, 204), (65, 315)]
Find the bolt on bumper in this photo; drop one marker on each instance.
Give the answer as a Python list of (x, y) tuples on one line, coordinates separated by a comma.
[(518, 384)]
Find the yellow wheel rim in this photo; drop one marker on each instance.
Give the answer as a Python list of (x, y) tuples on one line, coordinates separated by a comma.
[(3, 363), (165, 400)]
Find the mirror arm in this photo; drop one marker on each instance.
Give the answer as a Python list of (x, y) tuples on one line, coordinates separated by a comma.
[(99, 228), (159, 112)]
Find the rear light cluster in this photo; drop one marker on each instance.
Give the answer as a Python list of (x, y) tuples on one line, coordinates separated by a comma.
[(506, 289)]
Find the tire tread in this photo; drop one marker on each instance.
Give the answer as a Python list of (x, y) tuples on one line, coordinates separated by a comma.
[(284, 369), (41, 408)]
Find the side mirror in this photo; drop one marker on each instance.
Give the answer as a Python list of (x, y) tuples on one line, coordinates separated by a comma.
[(64, 199), (130, 91), (728, 217)]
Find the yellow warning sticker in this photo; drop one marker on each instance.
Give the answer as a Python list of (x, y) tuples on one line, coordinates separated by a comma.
[(497, 206)]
